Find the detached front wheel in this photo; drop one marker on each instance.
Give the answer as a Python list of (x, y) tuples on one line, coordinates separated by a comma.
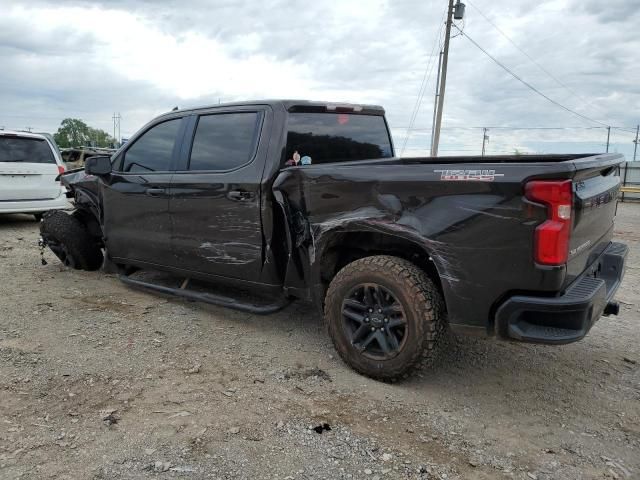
[(70, 241), (383, 314)]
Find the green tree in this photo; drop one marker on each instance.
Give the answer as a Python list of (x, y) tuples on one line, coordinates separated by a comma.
[(75, 133)]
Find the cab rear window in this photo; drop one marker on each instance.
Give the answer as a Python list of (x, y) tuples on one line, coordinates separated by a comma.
[(314, 138), (25, 150)]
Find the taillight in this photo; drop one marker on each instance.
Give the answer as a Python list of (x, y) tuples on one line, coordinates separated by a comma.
[(552, 236), (60, 170)]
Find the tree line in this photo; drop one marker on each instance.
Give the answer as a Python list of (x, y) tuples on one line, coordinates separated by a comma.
[(75, 133)]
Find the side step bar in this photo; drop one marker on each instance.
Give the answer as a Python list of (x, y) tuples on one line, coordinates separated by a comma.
[(210, 297)]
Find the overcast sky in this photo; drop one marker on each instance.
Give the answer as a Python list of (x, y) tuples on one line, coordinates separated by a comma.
[(141, 58)]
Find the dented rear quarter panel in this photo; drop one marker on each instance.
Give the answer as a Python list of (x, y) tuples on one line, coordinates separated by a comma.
[(479, 234)]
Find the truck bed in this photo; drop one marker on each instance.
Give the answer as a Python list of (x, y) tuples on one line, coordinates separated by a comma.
[(539, 158), (469, 215)]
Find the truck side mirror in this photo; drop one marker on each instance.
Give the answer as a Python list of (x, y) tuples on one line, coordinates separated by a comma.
[(98, 166)]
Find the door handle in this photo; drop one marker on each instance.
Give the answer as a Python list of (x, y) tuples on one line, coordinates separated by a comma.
[(240, 195), (155, 192)]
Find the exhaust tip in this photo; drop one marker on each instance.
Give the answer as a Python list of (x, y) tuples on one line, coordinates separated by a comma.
[(612, 308)]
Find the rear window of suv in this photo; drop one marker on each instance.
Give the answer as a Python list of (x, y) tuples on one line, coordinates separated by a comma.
[(25, 150), (336, 137)]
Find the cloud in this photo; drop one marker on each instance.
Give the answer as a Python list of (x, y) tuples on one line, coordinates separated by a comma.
[(616, 11), (90, 59)]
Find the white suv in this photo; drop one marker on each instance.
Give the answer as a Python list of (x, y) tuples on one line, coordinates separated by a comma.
[(29, 166)]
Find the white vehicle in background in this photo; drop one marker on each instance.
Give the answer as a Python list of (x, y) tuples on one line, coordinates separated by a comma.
[(29, 167)]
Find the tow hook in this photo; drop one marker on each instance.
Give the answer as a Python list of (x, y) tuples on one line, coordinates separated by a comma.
[(42, 244), (612, 308)]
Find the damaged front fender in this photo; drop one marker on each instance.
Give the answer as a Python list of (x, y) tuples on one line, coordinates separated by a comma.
[(85, 190)]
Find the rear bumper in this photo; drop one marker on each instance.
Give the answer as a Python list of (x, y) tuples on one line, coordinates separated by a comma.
[(35, 206), (568, 317)]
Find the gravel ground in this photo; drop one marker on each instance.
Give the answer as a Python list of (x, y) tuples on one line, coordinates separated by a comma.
[(101, 381)]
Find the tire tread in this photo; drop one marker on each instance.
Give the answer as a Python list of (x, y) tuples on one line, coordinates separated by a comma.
[(69, 230), (427, 302)]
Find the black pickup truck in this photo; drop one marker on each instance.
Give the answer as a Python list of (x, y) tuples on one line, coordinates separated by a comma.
[(306, 200)]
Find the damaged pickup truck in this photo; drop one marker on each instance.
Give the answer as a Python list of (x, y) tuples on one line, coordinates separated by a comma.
[(306, 200)]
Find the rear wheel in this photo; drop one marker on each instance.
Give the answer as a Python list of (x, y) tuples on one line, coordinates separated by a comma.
[(70, 241), (383, 314)]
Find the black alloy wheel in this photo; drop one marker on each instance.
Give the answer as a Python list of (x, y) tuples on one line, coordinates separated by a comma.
[(383, 314), (375, 321)]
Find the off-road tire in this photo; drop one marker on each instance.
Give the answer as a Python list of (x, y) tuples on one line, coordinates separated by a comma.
[(70, 241), (422, 303)]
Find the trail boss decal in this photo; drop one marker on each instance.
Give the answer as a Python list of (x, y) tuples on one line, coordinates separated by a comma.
[(468, 175)]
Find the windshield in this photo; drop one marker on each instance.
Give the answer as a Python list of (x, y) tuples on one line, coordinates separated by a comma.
[(25, 150), (335, 137)]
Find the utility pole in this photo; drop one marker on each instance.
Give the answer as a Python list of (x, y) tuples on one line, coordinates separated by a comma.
[(626, 165), (485, 138), (116, 126), (443, 81), (608, 135), (435, 101), (457, 13)]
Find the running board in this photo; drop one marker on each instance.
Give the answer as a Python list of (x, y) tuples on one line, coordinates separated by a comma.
[(210, 297)]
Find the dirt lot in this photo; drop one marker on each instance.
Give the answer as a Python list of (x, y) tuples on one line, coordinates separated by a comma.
[(101, 381)]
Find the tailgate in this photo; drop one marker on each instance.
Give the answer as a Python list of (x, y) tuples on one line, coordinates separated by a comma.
[(28, 181), (596, 185)]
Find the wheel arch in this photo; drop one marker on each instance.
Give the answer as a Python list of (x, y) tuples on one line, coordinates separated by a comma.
[(340, 248), (88, 202), (70, 240)]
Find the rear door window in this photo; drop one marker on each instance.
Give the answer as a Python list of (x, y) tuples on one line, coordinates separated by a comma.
[(25, 150), (153, 151), (224, 141), (314, 138)]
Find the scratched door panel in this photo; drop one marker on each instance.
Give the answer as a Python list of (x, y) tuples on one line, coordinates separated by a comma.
[(215, 201)]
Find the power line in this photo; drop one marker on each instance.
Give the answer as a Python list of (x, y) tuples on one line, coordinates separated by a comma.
[(421, 91), (423, 86), (527, 84), (625, 129), (536, 63)]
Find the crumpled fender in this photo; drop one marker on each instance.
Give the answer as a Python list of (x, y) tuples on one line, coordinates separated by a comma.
[(85, 189)]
